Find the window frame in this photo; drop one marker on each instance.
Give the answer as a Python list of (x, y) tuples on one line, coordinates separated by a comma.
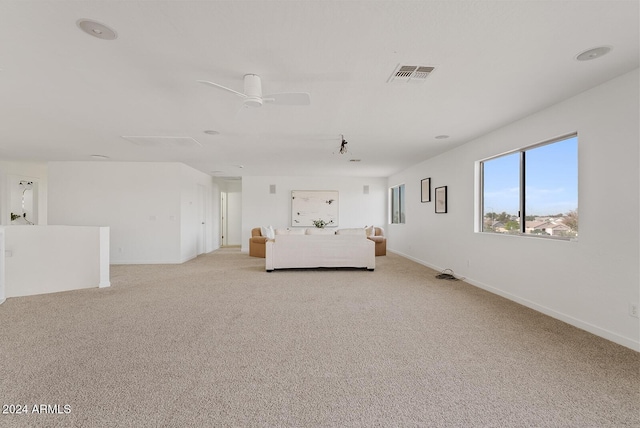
[(401, 203), (522, 213)]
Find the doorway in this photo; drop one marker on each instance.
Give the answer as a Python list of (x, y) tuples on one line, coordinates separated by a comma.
[(223, 219), (201, 221)]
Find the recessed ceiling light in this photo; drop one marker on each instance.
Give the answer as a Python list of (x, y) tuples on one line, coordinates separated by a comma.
[(355, 160), (211, 132), (96, 29), (593, 53), (441, 137), (240, 166), (100, 157)]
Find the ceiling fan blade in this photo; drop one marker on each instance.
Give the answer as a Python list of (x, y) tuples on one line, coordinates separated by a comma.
[(206, 82), (289, 99)]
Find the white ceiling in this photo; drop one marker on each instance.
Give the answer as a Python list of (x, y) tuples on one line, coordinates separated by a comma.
[(65, 95)]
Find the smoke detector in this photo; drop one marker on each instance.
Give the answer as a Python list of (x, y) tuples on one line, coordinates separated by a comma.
[(410, 73), (593, 53), (96, 29)]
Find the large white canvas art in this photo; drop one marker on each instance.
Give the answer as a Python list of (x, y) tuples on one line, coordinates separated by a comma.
[(308, 206)]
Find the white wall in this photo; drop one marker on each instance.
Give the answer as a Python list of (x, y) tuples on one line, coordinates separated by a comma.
[(355, 209), (146, 205), (48, 259), (588, 283)]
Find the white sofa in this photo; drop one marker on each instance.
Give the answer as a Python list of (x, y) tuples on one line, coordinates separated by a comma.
[(316, 251)]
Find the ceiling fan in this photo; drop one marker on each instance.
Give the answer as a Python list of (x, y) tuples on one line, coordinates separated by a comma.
[(253, 94)]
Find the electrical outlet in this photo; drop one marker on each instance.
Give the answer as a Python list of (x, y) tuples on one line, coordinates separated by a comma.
[(633, 309)]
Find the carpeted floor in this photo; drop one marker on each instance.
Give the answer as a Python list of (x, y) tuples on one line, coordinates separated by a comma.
[(219, 342)]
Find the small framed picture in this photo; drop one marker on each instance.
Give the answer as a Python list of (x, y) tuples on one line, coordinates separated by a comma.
[(441, 199), (426, 190)]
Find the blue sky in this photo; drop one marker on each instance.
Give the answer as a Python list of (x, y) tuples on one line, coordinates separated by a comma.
[(552, 180)]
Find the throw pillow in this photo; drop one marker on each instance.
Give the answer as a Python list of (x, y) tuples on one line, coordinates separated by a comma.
[(268, 232), (370, 231)]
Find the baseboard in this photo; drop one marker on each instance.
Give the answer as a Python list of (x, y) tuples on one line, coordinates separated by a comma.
[(422, 262), (146, 262), (186, 259), (154, 262), (583, 325)]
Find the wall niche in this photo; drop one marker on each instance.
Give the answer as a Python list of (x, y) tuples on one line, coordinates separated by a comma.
[(23, 200)]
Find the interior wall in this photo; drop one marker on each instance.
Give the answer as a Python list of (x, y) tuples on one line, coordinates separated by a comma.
[(34, 263), (142, 203), (355, 208), (588, 283)]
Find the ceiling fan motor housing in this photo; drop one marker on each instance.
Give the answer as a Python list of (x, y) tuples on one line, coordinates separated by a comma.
[(252, 90)]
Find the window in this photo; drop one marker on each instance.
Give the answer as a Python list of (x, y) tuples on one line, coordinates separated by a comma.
[(397, 204), (533, 191)]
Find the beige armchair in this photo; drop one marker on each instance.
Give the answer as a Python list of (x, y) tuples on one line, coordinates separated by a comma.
[(257, 247), (380, 240)]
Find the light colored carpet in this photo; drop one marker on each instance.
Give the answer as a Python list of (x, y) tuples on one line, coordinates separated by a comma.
[(217, 341)]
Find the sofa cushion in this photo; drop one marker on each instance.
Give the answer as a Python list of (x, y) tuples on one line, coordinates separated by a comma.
[(354, 231), (318, 231), (370, 231), (377, 238), (289, 231)]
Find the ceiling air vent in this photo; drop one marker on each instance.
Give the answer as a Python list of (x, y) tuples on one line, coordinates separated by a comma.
[(410, 73), (162, 141)]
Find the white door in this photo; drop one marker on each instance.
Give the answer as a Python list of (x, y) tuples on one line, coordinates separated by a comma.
[(223, 219), (202, 216)]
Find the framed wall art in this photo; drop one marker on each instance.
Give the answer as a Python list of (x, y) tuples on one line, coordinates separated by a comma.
[(441, 199), (309, 206), (425, 190)]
